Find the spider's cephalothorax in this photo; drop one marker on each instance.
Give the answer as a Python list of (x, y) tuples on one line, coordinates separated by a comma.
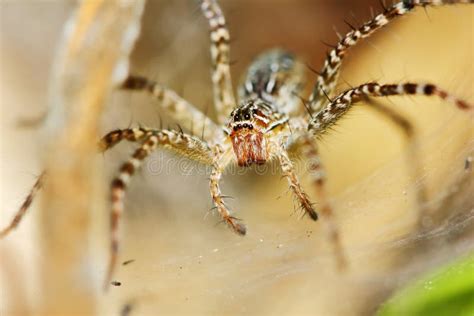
[(275, 77), (268, 119), (269, 96)]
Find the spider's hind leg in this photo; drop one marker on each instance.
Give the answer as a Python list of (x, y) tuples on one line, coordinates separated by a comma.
[(24, 207), (118, 187), (413, 157), (318, 177)]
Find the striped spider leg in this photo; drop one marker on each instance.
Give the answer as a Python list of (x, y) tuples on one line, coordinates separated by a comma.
[(24, 207), (325, 112), (224, 100), (180, 110)]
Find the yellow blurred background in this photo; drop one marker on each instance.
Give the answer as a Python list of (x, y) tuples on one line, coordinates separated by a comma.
[(187, 264)]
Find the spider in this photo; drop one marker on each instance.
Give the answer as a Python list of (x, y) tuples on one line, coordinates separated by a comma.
[(269, 120)]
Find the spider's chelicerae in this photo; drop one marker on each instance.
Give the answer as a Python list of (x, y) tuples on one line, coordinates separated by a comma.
[(267, 121)]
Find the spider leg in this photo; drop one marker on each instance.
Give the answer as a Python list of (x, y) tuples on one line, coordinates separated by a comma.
[(131, 134), (219, 163), (180, 110), (340, 105), (24, 207), (224, 99), (183, 144), (318, 176), (295, 186), (326, 81)]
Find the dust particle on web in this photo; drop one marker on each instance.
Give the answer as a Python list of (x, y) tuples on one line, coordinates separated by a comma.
[(126, 310), (128, 262), (468, 163)]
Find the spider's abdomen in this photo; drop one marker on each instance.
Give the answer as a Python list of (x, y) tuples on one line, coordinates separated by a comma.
[(275, 77)]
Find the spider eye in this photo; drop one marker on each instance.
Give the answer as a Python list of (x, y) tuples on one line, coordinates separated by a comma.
[(247, 116)]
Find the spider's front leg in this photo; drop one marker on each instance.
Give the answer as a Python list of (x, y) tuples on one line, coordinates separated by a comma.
[(224, 99), (118, 186), (219, 163), (24, 207), (183, 144), (413, 155), (131, 134)]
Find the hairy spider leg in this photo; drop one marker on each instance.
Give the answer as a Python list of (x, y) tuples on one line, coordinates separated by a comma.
[(224, 100), (289, 173), (24, 207), (178, 109), (413, 156)]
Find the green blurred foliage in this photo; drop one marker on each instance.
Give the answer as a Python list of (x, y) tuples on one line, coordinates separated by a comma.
[(448, 291)]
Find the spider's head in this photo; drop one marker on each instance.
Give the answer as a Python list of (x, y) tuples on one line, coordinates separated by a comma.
[(249, 126)]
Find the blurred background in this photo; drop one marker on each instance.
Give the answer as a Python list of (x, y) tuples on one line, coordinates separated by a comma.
[(184, 261)]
